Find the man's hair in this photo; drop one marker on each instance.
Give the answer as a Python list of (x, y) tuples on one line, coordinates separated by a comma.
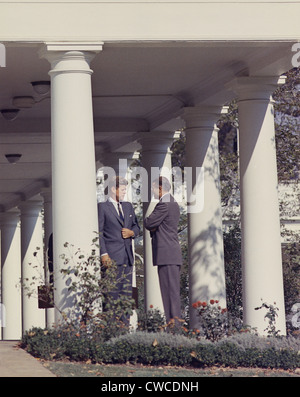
[(163, 182), (117, 181)]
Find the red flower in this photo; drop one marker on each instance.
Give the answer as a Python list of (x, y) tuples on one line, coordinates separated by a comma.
[(197, 304), (212, 301)]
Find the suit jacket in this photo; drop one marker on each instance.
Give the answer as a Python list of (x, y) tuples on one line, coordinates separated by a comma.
[(110, 230), (164, 220)]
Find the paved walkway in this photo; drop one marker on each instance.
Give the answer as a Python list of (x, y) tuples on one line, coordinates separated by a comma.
[(15, 362)]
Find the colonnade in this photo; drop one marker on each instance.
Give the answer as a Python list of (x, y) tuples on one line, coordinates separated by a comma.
[(70, 211)]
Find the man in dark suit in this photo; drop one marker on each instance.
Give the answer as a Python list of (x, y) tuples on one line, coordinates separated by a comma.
[(118, 226), (166, 250)]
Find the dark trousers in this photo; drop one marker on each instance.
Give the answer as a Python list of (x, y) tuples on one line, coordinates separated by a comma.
[(169, 281)]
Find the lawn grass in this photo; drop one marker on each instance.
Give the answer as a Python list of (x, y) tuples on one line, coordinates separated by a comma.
[(71, 369)]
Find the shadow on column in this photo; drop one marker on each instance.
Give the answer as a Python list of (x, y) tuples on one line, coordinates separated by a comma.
[(202, 259)]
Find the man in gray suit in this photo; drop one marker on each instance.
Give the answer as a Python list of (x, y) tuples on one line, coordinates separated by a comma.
[(118, 226), (166, 250)]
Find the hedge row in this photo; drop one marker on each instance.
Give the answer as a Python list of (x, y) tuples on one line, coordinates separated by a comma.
[(55, 345)]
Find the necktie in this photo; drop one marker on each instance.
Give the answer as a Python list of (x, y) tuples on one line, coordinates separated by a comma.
[(120, 212)]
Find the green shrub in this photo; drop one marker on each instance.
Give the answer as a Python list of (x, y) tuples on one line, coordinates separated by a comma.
[(214, 321), (163, 349), (151, 320)]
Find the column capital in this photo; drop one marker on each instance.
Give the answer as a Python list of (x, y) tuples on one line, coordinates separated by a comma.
[(30, 207), (70, 57), (202, 116), (255, 87), (82, 46), (157, 141), (10, 218)]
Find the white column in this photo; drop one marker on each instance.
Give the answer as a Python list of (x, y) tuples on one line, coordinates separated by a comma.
[(156, 160), (32, 266), (73, 157), (11, 275), (205, 234), (261, 241), (46, 193)]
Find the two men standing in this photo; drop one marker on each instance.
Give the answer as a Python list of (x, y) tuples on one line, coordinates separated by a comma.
[(118, 226)]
